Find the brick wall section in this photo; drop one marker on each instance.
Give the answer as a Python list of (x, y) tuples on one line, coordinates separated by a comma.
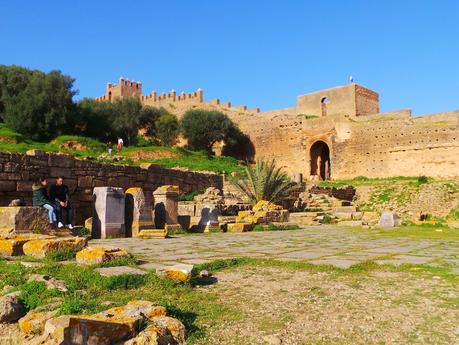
[(18, 172)]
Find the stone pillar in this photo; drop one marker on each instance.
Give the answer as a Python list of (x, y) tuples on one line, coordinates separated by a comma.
[(108, 212), (166, 207), (138, 214)]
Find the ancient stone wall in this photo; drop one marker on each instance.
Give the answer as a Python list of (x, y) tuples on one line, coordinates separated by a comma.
[(18, 172)]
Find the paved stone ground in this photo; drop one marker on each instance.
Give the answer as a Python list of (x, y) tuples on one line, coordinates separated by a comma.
[(317, 245)]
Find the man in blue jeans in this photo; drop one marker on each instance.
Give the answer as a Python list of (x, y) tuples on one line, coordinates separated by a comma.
[(59, 193), (41, 198)]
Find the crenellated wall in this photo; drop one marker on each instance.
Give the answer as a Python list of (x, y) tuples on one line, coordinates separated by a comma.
[(360, 140)]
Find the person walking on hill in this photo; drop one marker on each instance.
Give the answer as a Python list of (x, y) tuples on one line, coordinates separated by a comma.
[(59, 193), (40, 198), (120, 144), (110, 148)]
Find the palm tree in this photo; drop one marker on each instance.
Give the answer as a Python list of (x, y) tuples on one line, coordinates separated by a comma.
[(265, 182)]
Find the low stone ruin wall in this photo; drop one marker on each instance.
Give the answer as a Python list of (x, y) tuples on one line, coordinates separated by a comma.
[(346, 193), (18, 172)]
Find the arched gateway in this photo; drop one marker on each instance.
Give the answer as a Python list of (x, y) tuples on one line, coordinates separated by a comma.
[(320, 160)]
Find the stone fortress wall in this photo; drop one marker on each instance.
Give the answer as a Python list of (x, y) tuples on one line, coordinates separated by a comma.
[(18, 172), (347, 138)]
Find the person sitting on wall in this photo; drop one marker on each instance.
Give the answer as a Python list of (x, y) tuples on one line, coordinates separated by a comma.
[(60, 195), (41, 199)]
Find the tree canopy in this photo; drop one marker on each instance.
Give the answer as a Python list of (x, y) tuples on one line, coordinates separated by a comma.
[(37, 104), (203, 128)]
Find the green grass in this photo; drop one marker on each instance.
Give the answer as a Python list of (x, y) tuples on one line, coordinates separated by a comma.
[(366, 181), (170, 157), (198, 309), (423, 231)]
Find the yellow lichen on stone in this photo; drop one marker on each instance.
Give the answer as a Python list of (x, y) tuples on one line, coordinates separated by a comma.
[(98, 254), (179, 272), (39, 248), (153, 233), (168, 188), (34, 323), (264, 205), (239, 227)]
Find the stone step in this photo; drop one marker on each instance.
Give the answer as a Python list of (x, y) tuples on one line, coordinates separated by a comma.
[(345, 209)]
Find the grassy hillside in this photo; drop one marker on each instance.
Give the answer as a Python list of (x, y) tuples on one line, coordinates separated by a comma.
[(82, 147)]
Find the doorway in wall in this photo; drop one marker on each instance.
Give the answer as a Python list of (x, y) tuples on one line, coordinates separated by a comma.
[(320, 160)]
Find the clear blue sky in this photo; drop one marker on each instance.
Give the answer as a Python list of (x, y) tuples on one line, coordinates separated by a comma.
[(258, 53)]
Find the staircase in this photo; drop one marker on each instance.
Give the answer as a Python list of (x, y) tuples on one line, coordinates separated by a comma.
[(321, 208)]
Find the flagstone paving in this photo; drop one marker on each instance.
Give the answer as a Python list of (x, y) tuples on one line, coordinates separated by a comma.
[(317, 245)]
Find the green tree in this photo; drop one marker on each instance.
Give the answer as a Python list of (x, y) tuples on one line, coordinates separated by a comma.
[(127, 118), (265, 181), (168, 129), (149, 117), (94, 119), (38, 105), (203, 128)]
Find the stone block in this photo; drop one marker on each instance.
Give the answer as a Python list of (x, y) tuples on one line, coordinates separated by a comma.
[(85, 181), (343, 215), (109, 211), (88, 223), (36, 153), (39, 248), (165, 205), (350, 223), (98, 254), (389, 220), (15, 220), (61, 161), (344, 209), (179, 272), (153, 233), (14, 246), (113, 325), (138, 214), (34, 322), (239, 227), (7, 186), (11, 308)]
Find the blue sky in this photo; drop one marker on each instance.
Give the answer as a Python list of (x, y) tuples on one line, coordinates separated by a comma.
[(258, 53)]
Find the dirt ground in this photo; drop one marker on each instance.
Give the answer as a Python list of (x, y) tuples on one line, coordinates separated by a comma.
[(280, 306)]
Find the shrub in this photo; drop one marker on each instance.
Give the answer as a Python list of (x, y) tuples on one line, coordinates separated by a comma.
[(327, 219), (258, 227), (265, 182), (423, 179)]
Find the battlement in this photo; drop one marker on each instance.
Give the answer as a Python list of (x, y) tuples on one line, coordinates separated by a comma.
[(127, 88)]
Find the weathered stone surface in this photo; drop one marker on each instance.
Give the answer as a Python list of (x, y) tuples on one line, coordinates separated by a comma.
[(88, 223), (99, 254), (179, 272), (39, 248), (16, 220), (212, 195), (239, 227), (165, 206), (112, 325), (108, 216), (153, 233), (389, 220), (264, 205), (55, 330), (14, 246), (11, 309), (138, 211), (119, 270), (34, 323), (50, 282)]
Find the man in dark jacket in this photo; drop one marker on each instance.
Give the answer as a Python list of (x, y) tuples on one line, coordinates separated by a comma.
[(40, 198), (59, 193)]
